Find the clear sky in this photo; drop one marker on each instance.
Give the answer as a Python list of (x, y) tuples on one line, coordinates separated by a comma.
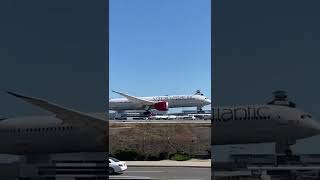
[(160, 47)]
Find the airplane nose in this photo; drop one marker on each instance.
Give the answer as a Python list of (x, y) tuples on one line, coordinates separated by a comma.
[(313, 126), (208, 101)]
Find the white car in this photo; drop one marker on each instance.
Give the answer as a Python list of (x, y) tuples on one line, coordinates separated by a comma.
[(116, 166)]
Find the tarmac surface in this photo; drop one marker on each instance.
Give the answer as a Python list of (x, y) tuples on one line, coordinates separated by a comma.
[(193, 169), (162, 121), (168, 163), (166, 173)]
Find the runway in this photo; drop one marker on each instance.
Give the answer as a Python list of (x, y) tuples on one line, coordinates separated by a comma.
[(160, 121), (167, 173)]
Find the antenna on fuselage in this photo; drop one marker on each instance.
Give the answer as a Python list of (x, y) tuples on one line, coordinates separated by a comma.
[(281, 98)]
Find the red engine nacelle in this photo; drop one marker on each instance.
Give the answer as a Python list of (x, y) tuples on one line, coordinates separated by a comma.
[(161, 106)]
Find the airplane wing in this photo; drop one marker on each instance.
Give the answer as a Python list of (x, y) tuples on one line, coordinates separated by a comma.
[(136, 100), (68, 116)]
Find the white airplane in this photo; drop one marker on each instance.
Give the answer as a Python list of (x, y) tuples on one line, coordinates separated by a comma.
[(67, 131), (278, 121), (160, 103), (73, 131)]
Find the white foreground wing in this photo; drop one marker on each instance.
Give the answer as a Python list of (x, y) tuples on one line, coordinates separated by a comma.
[(136, 100), (68, 116)]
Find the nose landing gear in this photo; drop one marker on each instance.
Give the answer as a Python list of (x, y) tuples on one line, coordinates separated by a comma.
[(283, 147), (283, 152), (199, 110)]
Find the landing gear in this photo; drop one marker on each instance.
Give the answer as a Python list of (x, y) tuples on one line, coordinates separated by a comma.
[(147, 113), (283, 152), (199, 110), (283, 147)]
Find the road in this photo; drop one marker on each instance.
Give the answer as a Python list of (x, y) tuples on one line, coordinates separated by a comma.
[(169, 173)]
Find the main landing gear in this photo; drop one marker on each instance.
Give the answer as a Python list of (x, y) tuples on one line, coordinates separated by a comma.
[(147, 113)]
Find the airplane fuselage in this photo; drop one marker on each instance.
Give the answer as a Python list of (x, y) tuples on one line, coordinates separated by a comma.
[(123, 104), (260, 124), (231, 125), (47, 134)]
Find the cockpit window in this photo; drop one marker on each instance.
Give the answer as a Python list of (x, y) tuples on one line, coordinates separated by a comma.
[(304, 116)]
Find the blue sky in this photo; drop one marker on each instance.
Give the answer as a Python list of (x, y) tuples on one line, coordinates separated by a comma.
[(160, 47)]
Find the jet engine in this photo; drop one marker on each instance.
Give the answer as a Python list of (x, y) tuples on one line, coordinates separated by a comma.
[(161, 106)]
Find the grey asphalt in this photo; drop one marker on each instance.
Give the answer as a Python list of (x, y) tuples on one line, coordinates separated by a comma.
[(169, 173)]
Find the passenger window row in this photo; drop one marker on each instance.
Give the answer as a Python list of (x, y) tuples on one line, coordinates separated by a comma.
[(43, 129)]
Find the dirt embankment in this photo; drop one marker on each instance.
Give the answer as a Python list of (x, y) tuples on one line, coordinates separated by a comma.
[(155, 138)]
